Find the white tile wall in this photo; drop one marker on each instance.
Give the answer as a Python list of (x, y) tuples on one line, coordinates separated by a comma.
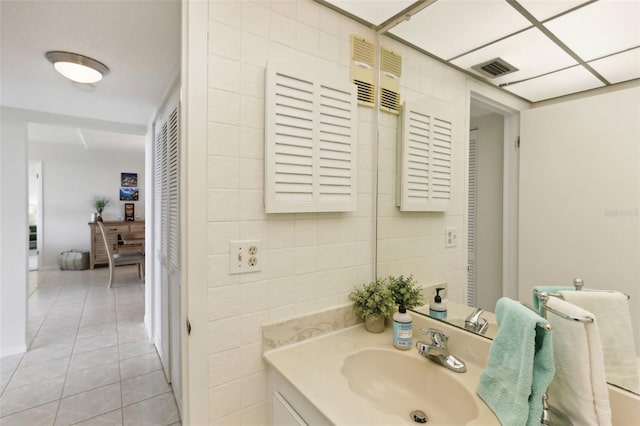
[(310, 261)]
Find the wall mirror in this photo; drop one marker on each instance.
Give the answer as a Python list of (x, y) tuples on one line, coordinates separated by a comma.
[(481, 264)]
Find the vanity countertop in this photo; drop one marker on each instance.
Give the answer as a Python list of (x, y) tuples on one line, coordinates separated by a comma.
[(314, 366)]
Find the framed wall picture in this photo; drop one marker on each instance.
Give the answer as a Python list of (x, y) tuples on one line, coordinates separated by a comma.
[(129, 194), (129, 212), (129, 180)]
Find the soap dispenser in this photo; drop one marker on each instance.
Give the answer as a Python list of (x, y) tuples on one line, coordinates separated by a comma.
[(402, 329), (438, 309)]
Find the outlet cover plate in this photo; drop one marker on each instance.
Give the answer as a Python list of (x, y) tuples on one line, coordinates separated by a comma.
[(245, 256), (450, 237)]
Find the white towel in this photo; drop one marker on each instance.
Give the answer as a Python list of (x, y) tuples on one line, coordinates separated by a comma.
[(614, 320), (579, 388)]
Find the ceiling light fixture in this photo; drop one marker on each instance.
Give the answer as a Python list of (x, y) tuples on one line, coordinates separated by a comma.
[(78, 68)]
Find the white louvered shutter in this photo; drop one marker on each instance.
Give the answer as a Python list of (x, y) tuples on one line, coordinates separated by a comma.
[(425, 156), (310, 141)]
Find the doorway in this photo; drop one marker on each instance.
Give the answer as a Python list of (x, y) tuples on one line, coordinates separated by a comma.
[(35, 215), (492, 203)]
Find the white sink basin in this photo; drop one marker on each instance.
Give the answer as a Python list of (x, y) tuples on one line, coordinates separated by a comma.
[(398, 384)]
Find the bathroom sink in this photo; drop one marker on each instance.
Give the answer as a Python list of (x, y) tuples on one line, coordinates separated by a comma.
[(399, 383)]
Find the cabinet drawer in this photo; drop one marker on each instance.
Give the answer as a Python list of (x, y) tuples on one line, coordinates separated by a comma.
[(116, 228), (136, 229)]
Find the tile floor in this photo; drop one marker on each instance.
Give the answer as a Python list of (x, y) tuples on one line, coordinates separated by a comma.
[(89, 361)]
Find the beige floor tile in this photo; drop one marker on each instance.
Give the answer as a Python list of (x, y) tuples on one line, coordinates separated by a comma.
[(93, 358), (132, 367), (37, 373), (92, 343), (113, 418), (98, 329), (91, 378), (86, 405), (157, 411), (42, 415), (29, 396), (10, 363), (136, 348), (44, 339), (47, 353), (144, 387), (83, 336)]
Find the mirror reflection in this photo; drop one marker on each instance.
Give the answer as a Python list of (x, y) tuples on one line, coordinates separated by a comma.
[(518, 216)]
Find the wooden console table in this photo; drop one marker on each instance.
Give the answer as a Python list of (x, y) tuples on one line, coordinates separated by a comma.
[(124, 237)]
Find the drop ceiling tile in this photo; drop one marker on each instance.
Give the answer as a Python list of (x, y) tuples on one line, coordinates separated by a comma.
[(600, 28), (618, 68), (530, 51), (448, 28), (570, 80), (375, 12), (545, 9)]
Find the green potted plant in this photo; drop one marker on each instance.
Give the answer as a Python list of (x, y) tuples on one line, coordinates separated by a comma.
[(405, 291), (99, 203), (373, 302)]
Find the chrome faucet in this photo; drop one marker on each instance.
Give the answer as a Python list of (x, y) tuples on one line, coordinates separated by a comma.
[(435, 348), (475, 323)]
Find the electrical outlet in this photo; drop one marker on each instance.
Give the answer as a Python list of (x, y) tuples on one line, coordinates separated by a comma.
[(450, 237), (244, 256)]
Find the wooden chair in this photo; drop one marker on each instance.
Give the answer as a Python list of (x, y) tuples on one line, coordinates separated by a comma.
[(117, 259)]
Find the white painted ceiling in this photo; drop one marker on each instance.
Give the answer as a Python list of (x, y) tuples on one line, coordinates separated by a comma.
[(560, 47), (138, 40)]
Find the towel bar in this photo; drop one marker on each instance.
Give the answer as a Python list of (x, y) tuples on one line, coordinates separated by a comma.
[(579, 283), (543, 296), (547, 326)]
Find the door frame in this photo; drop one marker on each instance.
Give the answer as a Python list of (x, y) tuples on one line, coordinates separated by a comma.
[(40, 213), (509, 107)]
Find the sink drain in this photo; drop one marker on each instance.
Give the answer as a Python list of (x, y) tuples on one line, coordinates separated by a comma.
[(419, 416)]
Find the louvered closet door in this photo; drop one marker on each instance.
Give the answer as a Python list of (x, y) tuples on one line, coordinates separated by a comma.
[(160, 243), (167, 244), (173, 257), (472, 218)]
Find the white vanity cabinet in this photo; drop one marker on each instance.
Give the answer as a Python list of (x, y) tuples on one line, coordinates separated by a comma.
[(289, 407)]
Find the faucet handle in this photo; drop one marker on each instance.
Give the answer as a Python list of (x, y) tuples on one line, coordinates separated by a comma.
[(437, 336)]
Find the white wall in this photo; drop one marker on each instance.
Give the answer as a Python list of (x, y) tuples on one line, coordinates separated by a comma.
[(490, 168), (311, 261), (579, 201), (72, 176), (14, 233)]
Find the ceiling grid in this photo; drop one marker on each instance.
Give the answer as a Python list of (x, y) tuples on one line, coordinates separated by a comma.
[(558, 47)]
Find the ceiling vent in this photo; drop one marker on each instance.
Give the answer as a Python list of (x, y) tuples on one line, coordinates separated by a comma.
[(495, 68), (363, 59), (390, 71)]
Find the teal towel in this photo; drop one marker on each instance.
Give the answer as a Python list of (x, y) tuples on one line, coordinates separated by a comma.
[(548, 289), (520, 365)]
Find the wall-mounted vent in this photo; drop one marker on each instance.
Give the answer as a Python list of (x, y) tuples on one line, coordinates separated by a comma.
[(390, 72), (363, 60), (495, 68)]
